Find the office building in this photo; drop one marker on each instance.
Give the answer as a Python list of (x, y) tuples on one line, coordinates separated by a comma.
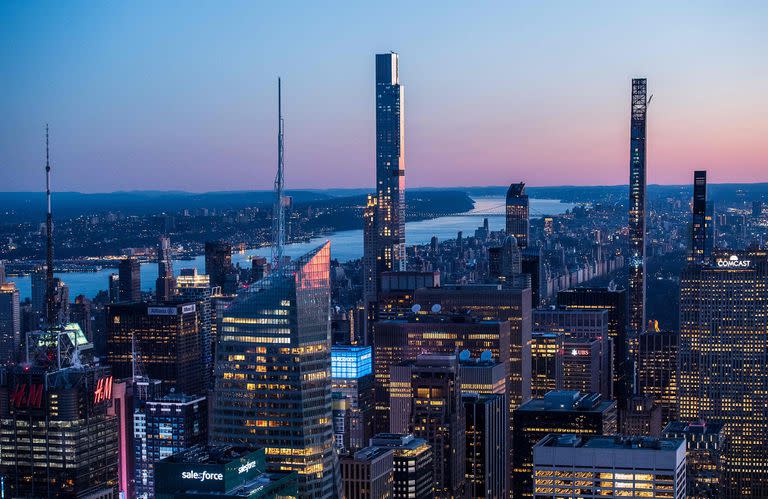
[(194, 287), (173, 423), (533, 265), (696, 250), (723, 348), (122, 410), (370, 264), (401, 340), (426, 400), (39, 286), (642, 416), (218, 262), (130, 279), (58, 400), (585, 329), (368, 473), (165, 284), (114, 288), (657, 370), (10, 323), (517, 214), (578, 467), (545, 348), (412, 463), (165, 340), (80, 312), (637, 205), (390, 164), (275, 339), (558, 411), (352, 387), (222, 472), (578, 366), (260, 268), (483, 393), (705, 444), (493, 303), (615, 301)]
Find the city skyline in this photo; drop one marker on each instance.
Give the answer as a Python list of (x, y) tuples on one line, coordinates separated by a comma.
[(195, 115)]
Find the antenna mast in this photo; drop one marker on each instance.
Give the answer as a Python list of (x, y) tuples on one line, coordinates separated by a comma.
[(50, 301), (278, 214)]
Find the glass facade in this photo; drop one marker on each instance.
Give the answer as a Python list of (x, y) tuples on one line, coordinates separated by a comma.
[(351, 362), (273, 373)]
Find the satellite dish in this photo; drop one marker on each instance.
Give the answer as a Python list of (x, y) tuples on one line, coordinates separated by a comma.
[(436, 308), (464, 355), (415, 308), (486, 356)]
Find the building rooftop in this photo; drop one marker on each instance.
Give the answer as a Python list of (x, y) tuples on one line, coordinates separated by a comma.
[(567, 401), (397, 440), (610, 442), (201, 454), (697, 428)]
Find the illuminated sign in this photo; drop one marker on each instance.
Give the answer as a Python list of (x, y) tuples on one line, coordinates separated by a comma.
[(202, 475), (161, 310), (31, 397), (732, 262), (188, 308), (103, 390), (246, 467), (579, 352)]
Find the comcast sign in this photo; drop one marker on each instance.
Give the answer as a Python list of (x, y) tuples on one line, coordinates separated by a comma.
[(732, 262)]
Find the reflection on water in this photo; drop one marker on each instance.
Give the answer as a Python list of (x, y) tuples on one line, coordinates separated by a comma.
[(345, 245)]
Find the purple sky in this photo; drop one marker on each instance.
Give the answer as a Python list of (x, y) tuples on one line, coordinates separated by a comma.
[(172, 95)]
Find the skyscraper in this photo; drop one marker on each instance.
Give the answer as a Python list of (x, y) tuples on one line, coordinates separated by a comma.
[(130, 279), (194, 287), (637, 215), (164, 285), (706, 444), (352, 377), (10, 323), (696, 251), (390, 163), (608, 466), (657, 370), (412, 463), (164, 338), (368, 473), (272, 376), (218, 261), (560, 411), (426, 399), (518, 213), (58, 439), (723, 353)]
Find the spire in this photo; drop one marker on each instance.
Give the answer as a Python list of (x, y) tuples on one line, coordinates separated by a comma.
[(278, 213), (50, 299)]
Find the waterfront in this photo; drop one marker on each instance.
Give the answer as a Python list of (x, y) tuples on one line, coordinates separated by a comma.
[(345, 245)]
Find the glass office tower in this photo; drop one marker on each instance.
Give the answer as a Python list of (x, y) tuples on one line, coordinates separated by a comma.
[(273, 373)]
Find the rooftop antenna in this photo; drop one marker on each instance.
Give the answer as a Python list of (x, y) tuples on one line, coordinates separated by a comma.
[(50, 305), (278, 212)]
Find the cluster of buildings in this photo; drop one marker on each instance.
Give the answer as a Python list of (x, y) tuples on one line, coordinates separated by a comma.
[(216, 387)]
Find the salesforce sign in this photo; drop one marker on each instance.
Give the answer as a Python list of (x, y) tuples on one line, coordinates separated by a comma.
[(216, 470)]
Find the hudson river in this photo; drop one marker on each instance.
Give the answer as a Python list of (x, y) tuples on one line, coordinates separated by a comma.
[(345, 245)]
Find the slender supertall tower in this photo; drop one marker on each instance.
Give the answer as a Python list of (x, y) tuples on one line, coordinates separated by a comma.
[(390, 164), (50, 286), (699, 226), (278, 221), (637, 215)]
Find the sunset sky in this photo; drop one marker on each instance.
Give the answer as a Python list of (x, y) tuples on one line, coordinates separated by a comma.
[(182, 95)]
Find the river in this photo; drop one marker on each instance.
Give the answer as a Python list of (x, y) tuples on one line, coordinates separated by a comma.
[(345, 245)]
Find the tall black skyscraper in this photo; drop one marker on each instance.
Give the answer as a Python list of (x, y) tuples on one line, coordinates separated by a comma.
[(697, 251), (218, 261), (390, 163), (165, 284), (639, 107), (130, 280), (517, 214)]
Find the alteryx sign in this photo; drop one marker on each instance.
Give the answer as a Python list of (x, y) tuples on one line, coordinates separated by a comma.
[(732, 262)]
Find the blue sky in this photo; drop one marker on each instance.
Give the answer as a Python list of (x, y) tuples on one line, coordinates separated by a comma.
[(174, 95)]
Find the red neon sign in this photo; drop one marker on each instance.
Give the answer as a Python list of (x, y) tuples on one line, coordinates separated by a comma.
[(23, 397), (103, 390)]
